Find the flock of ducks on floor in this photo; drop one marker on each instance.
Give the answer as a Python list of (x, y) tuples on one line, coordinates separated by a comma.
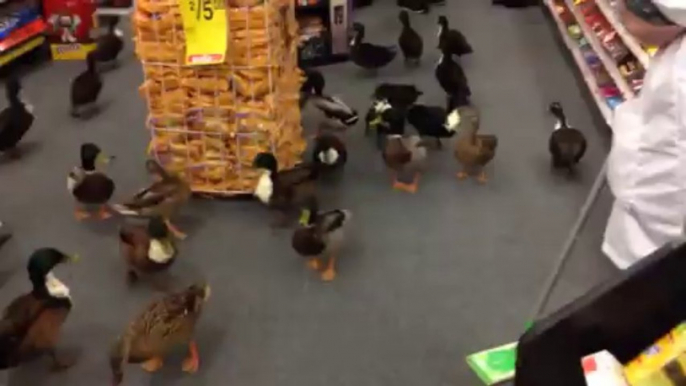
[(31, 323)]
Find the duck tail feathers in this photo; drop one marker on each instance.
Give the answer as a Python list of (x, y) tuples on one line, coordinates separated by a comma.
[(125, 210)]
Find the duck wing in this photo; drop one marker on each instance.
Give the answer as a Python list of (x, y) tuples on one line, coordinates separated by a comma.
[(95, 188), (487, 145), (458, 43), (158, 193), (568, 143), (85, 88), (15, 121), (332, 220)]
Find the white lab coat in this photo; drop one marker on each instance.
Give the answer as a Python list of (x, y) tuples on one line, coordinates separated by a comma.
[(647, 164)]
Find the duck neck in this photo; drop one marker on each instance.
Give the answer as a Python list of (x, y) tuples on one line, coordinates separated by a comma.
[(49, 286), (14, 99), (88, 165)]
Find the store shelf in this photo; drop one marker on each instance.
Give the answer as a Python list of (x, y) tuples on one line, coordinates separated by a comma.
[(629, 40), (580, 62), (597, 46), (17, 51), (21, 35)]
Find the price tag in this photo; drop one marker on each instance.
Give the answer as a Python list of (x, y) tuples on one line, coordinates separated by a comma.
[(204, 22)]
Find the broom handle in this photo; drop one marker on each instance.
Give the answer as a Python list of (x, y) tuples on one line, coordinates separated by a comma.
[(567, 247)]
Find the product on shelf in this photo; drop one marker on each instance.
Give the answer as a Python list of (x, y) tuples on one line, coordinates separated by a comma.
[(208, 122), (662, 364), (597, 77), (605, 28), (21, 29), (71, 26)]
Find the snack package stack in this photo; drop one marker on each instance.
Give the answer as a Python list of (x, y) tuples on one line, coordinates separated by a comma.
[(208, 122)]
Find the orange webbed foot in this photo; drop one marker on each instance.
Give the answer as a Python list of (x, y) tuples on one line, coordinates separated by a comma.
[(152, 365), (192, 363), (104, 213), (461, 175), (329, 275), (81, 214), (482, 178), (314, 264)]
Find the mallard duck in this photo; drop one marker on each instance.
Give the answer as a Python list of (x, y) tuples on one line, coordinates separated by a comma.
[(567, 145), (451, 77), (15, 120), (366, 55), (31, 324), (90, 186), (85, 89), (399, 95), (417, 6), (146, 249), (329, 151), (473, 151), (410, 42), (109, 45), (431, 121), (164, 197), (452, 40), (283, 189), (164, 325), (320, 235)]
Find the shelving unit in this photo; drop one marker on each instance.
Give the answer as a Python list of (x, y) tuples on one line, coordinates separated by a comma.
[(597, 46), (22, 29), (607, 56), (581, 63), (631, 42), (324, 26)]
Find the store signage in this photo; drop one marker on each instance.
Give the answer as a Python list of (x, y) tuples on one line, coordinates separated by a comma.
[(204, 22)]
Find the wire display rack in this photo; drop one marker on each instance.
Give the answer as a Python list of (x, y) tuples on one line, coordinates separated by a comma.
[(207, 123)]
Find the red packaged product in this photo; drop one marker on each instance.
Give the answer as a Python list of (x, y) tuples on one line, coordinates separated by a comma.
[(70, 25)]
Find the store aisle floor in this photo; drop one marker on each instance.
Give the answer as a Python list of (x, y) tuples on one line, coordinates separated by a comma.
[(425, 280)]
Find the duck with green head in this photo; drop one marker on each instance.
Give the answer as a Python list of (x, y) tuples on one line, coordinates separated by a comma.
[(90, 186), (321, 234), (31, 324), (147, 249)]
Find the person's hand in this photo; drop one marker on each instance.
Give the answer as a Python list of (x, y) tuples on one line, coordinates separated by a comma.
[(646, 33)]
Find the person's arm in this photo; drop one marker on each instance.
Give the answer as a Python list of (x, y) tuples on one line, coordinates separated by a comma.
[(656, 35)]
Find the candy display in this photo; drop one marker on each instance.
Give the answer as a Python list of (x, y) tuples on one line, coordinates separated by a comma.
[(208, 122)]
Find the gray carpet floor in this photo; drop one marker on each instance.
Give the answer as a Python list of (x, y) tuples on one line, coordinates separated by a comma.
[(425, 280)]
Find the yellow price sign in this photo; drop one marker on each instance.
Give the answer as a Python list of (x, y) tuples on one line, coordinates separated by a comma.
[(204, 22)]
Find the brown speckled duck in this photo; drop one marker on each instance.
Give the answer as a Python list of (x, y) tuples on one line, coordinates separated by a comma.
[(473, 151), (162, 198), (165, 324), (146, 249)]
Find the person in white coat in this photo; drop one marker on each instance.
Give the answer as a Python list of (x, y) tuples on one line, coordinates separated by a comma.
[(647, 162)]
